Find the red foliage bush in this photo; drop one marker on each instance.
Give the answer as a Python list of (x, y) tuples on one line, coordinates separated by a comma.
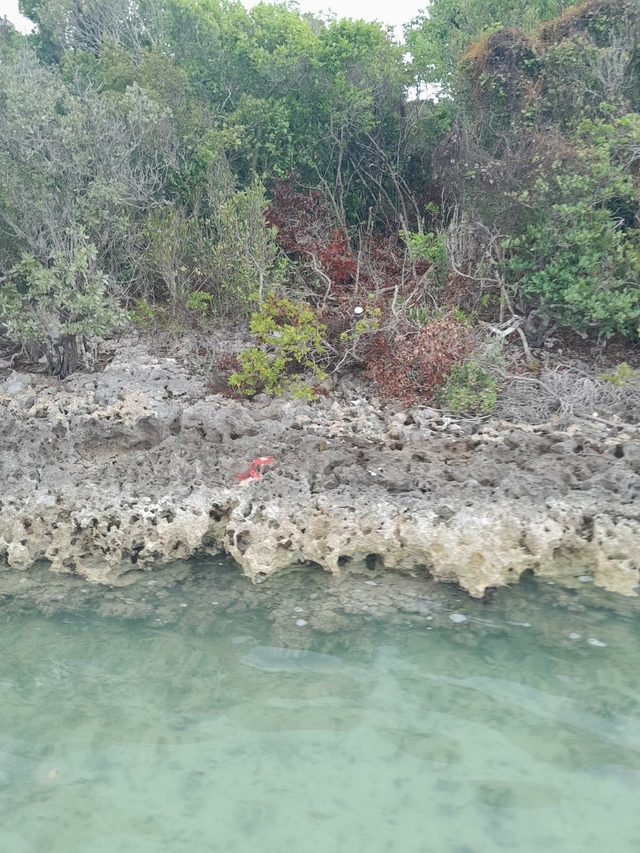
[(411, 363), (306, 228), (219, 379)]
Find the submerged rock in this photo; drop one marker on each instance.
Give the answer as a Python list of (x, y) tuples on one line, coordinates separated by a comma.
[(275, 659)]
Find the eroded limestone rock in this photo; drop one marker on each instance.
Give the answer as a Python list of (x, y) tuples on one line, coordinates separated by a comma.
[(109, 473)]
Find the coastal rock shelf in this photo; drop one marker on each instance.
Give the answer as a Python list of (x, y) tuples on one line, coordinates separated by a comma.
[(114, 472)]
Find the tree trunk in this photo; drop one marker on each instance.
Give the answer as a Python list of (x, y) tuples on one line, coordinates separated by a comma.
[(62, 356)]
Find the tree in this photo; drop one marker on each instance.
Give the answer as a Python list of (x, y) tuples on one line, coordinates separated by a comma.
[(439, 37), (70, 25), (544, 161), (51, 306), (79, 171)]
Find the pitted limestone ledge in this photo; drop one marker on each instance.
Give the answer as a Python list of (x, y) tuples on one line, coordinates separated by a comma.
[(477, 547), (110, 473)]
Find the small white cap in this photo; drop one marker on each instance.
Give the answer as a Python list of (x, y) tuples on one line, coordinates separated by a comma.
[(359, 311)]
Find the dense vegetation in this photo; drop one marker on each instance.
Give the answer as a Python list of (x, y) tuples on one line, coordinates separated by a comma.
[(172, 159)]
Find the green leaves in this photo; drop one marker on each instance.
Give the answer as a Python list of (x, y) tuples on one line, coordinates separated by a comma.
[(468, 390), (429, 247), (290, 339), (43, 303), (546, 155), (574, 255), (439, 38)]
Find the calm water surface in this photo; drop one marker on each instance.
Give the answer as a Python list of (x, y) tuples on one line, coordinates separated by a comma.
[(120, 736)]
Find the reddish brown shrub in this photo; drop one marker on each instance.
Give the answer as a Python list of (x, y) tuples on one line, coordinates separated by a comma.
[(411, 363), (218, 382), (228, 363), (306, 228)]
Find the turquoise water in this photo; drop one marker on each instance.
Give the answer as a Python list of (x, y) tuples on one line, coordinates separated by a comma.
[(120, 736)]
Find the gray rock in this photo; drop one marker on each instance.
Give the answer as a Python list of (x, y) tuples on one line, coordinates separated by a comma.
[(15, 383)]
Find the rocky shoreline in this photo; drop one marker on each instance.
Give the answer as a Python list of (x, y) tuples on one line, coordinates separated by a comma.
[(110, 473)]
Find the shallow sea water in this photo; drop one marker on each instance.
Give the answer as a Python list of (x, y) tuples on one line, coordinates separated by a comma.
[(132, 737)]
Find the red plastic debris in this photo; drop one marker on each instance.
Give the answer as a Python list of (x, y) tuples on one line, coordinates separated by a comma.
[(253, 473)]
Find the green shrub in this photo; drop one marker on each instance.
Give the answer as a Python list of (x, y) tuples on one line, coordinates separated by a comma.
[(542, 167), (142, 313), (621, 376), (573, 256), (468, 390), (48, 307), (199, 301), (290, 340), (430, 247)]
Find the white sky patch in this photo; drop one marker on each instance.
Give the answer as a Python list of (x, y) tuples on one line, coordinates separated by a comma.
[(9, 9), (395, 14)]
